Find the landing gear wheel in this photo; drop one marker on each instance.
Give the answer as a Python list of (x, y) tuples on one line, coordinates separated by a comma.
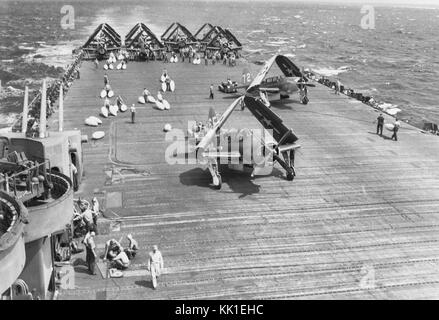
[(305, 101), (291, 175), (220, 182)]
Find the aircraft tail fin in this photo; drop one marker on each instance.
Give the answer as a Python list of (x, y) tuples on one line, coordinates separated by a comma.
[(246, 77)]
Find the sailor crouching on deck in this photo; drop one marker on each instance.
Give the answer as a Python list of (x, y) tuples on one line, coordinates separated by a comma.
[(155, 264), (112, 249), (133, 246), (121, 261)]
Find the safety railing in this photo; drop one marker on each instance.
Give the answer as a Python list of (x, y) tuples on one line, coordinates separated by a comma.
[(53, 90)]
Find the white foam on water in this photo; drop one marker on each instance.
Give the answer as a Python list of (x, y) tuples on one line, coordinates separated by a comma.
[(330, 72), (57, 55), (276, 43), (253, 50), (21, 47), (393, 111)]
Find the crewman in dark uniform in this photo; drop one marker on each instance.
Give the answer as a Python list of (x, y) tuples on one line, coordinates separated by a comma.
[(133, 113), (396, 127), (380, 124), (211, 92)]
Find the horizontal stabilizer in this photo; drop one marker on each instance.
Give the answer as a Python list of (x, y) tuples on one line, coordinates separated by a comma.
[(288, 147), (222, 155)]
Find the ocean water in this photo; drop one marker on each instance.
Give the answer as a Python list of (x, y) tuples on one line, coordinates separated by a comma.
[(397, 62)]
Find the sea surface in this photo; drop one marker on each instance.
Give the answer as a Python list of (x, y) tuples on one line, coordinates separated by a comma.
[(397, 62)]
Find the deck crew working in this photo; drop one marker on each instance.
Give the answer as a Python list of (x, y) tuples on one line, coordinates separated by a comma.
[(133, 113), (396, 127), (90, 252), (155, 264), (211, 91), (380, 124)]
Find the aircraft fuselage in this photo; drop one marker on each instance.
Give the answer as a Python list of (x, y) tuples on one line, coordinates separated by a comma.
[(284, 85)]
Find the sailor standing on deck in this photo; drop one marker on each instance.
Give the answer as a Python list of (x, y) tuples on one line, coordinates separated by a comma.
[(303, 92), (211, 92), (380, 124), (396, 127), (106, 81), (133, 113), (90, 253), (155, 264), (95, 210), (337, 87)]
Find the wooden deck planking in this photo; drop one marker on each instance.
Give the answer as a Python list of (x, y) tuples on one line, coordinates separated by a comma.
[(358, 200)]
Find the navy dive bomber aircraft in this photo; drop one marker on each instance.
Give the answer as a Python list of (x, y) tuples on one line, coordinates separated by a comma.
[(273, 143)]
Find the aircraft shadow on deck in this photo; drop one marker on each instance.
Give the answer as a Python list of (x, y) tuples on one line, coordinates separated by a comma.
[(283, 104), (144, 283), (196, 177), (238, 182)]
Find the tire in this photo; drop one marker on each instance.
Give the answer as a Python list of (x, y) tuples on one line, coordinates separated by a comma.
[(218, 187), (305, 101), (290, 176)]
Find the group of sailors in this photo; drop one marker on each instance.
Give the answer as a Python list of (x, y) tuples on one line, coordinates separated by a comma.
[(85, 216), (338, 88), (191, 55), (118, 256), (217, 56)]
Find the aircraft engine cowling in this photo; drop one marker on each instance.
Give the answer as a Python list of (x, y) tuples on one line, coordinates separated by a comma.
[(100, 49)]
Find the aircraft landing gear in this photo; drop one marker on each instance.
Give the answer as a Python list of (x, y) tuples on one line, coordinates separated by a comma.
[(242, 105), (216, 177), (217, 182), (287, 162), (291, 175), (305, 100)]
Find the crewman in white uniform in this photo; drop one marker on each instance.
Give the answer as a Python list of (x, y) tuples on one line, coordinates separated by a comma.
[(155, 264)]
